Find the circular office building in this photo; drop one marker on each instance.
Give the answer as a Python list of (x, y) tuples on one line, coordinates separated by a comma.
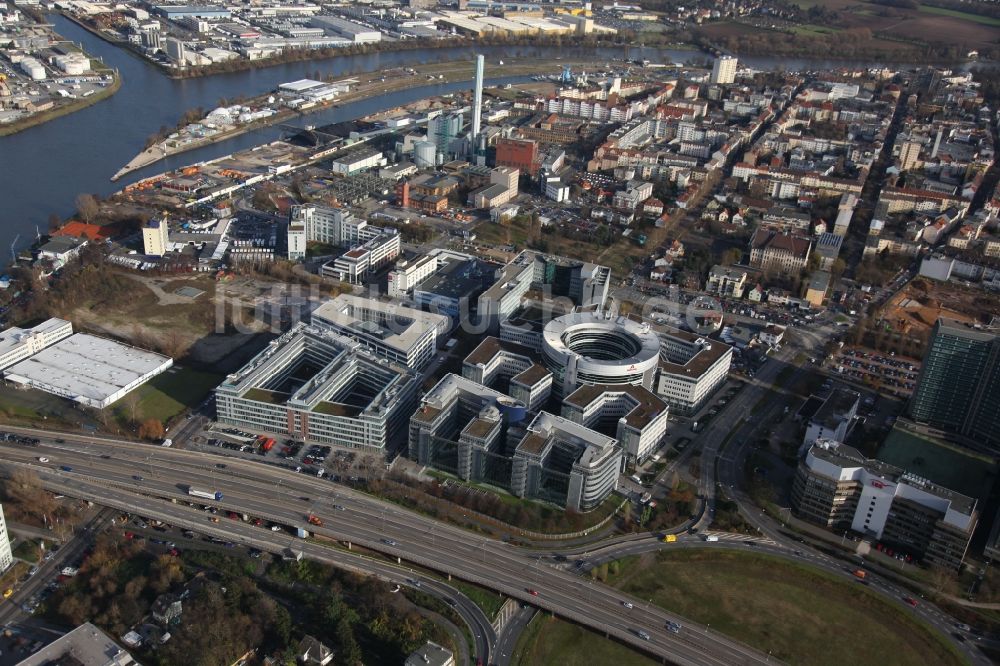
[(588, 348)]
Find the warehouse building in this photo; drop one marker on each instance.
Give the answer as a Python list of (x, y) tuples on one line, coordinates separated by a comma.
[(838, 487), (177, 12), (389, 330), (349, 30), (322, 388), (357, 161), (87, 369)]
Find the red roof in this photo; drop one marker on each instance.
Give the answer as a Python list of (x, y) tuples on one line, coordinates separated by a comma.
[(78, 229)]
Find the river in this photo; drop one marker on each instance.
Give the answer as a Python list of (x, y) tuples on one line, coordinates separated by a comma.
[(44, 168)]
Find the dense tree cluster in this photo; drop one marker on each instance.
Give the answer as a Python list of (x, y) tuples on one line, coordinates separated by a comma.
[(232, 608)]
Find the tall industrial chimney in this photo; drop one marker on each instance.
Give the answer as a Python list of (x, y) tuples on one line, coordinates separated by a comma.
[(477, 100)]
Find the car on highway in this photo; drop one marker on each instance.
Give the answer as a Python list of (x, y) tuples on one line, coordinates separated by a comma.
[(6, 593), (43, 459), (32, 571), (66, 468), (644, 635), (275, 528), (910, 600), (532, 592), (136, 477), (389, 542), (339, 507), (627, 604), (673, 627)]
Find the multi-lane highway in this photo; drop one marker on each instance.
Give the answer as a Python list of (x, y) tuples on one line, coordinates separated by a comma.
[(144, 479)]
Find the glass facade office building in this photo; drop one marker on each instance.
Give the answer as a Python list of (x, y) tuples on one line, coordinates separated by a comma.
[(959, 385)]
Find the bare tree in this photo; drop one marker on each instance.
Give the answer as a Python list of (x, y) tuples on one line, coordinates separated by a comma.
[(86, 207)]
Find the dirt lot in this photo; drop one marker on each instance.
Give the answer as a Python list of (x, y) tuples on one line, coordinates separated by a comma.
[(153, 314), (916, 308)]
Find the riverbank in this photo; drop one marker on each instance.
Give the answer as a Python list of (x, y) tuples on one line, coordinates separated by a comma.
[(387, 82), (312, 55), (62, 110)]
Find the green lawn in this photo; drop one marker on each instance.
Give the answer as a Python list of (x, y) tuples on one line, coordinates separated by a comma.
[(27, 550), (954, 13), (170, 393), (786, 608), (551, 641), (489, 601)]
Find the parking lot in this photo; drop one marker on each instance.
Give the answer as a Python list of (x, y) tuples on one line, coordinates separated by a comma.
[(319, 460), (892, 375)]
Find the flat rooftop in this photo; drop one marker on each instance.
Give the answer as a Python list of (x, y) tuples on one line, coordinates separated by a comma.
[(457, 279), (392, 324), (546, 427), (13, 336), (845, 456), (647, 404), (86, 366), (86, 645), (836, 407), (488, 349), (531, 376), (703, 358)]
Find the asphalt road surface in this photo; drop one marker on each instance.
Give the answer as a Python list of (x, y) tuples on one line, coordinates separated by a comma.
[(143, 479)]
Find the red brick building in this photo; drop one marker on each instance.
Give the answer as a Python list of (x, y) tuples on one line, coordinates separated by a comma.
[(522, 154)]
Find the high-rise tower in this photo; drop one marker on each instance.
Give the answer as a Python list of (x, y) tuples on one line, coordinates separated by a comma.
[(959, 385)]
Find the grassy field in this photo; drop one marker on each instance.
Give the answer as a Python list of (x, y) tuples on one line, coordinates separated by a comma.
[(551, 641), (810, 29), (788, 609), (489, 601), (169, 393), (27, 550), (965, 16)]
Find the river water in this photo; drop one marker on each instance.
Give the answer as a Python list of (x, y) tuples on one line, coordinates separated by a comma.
[(44, 168)]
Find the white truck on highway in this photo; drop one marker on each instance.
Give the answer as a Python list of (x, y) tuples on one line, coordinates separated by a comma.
[(205, 494)]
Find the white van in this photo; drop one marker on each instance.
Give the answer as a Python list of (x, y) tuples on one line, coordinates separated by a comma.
[(710, 537)]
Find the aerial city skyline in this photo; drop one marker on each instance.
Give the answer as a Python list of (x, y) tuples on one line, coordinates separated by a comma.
[(503, 333)]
